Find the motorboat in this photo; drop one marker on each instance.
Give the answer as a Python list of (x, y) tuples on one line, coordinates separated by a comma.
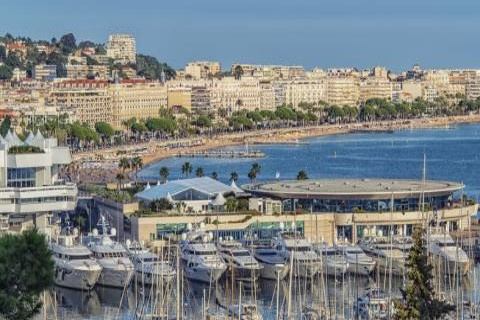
[(150, 269), (275, 266), (389, 255), (334, 262), (241, 262), (117, 269), (447, 256), (291, 244), (74, 265), (200, 259), (358, 262)]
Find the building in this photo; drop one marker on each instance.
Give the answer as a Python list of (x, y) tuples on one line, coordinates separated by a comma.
[(343, 90), (375, 87), (337, 209), (32, 192), (89, 101), (232, 95), (180, 97), (82, 71), (45, 72), (202, 69), (136, 99), (198, 195), (310, 91), (121, 48), (266, 206)]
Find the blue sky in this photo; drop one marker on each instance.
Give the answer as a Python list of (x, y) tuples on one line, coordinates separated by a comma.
[(333, 33)]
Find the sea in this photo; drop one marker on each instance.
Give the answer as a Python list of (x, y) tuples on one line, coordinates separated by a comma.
[(450, 153)]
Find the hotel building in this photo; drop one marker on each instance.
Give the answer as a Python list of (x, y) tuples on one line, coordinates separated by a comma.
[(31, 190), (343, 90), (308, 90)]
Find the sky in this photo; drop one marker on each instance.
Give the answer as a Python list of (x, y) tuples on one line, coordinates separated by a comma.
[(323, 33)]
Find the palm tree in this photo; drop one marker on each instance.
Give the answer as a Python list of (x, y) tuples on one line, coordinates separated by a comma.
[(257, 168), (186, 169), (302, 175), (234, 176), (252, 175), (120, 177), (124, 164), (215, 175), (199, 172), (137, 164), (164, 173)]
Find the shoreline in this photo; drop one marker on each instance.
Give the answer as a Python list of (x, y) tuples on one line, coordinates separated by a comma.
[(158, 151)]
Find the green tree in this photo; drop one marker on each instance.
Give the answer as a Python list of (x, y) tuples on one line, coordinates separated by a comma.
[(214, 175), (164, 173), (252, 175), (418, 297), (234, 176), (302, 175), (151, 69), (186, 169), (123, 164), (136, 164), (231, 204), (199, 172), (104, 129), (203, 121), (67, 43), (238, 72), (5, 126), (26, 271), (5, 72)]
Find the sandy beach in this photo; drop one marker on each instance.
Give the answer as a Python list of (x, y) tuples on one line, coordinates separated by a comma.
[(155, 151)]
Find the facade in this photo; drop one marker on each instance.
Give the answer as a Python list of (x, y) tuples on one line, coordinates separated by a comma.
[(83, 71), (233, 95), (343, 90), (136, 99), (180, 97), (202, 69), (375, 87), (31, 190), (121, 48), (310, 91), (45, 72)]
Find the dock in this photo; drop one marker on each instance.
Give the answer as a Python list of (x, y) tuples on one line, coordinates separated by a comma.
[(222, 154)]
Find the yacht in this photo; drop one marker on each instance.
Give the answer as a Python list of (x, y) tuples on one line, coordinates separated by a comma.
[(201, 261), (306, 262), (117, 269), (358, 262), (150, 269), (334, 263), (274, 265), (74, 264), (243, 264), (389, 255), (447, 256)]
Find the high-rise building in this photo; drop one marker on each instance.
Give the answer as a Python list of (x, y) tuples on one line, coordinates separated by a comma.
[(121, 48), (31, 189), (45, 72)]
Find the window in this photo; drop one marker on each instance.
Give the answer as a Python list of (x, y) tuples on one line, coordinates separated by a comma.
[(21, 177)]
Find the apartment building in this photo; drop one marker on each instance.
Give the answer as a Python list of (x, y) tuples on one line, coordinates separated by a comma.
[(82, 71), (202, 69), (136, 98), (270, 71), (88, 100), (267, 96), (343, 90), (122, 48), (375, 87), (233, 95), (308, 90), (180, 97), (46, 72)]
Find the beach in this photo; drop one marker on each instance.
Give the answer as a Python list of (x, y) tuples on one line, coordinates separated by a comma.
[(103, 169)]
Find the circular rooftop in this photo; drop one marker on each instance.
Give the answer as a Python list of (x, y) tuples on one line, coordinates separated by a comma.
[(352, 188)]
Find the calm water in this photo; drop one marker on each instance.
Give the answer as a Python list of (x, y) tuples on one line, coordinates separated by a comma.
[(452, 154)]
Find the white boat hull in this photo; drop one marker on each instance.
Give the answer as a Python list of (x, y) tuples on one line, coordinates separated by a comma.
[(451, 267), (148, 279), (272, 271), (361, 269), (115, 277), (306, 269), (81, 279), (204, 274)]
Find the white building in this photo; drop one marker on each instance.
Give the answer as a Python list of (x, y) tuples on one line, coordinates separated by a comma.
[(121, 48), (31, 191)]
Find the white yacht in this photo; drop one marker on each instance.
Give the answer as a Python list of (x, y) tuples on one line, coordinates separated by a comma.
[(389, 256), (358, 262), (306, 262), (334, 263), (74, 264), (274, 265), (243, 264), (447, 256), (111, 255), (150, 269), (201, 261)]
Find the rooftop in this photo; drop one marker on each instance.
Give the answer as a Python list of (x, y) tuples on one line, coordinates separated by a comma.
[(352, 188)]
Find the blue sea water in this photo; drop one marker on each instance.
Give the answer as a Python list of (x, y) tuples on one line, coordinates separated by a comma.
[(451, 154)]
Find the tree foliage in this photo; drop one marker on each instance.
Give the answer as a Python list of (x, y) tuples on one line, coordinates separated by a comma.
[(26, 270), (104, 129), (150, 68)]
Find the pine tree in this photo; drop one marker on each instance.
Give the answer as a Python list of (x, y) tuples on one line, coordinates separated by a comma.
[(418, 297)]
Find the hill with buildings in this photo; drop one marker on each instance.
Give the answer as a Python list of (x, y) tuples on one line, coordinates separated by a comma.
[(22, 57)]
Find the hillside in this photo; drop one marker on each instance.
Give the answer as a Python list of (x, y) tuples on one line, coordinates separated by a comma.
[(25, 53)]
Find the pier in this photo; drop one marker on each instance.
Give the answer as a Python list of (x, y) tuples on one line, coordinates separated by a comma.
[(222, 154)]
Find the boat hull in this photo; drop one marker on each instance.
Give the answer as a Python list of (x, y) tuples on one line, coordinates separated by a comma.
[(272, 271), (204, 274), (115, 277), (76, 278), (305, 269), (451, 267), (361, 269)]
